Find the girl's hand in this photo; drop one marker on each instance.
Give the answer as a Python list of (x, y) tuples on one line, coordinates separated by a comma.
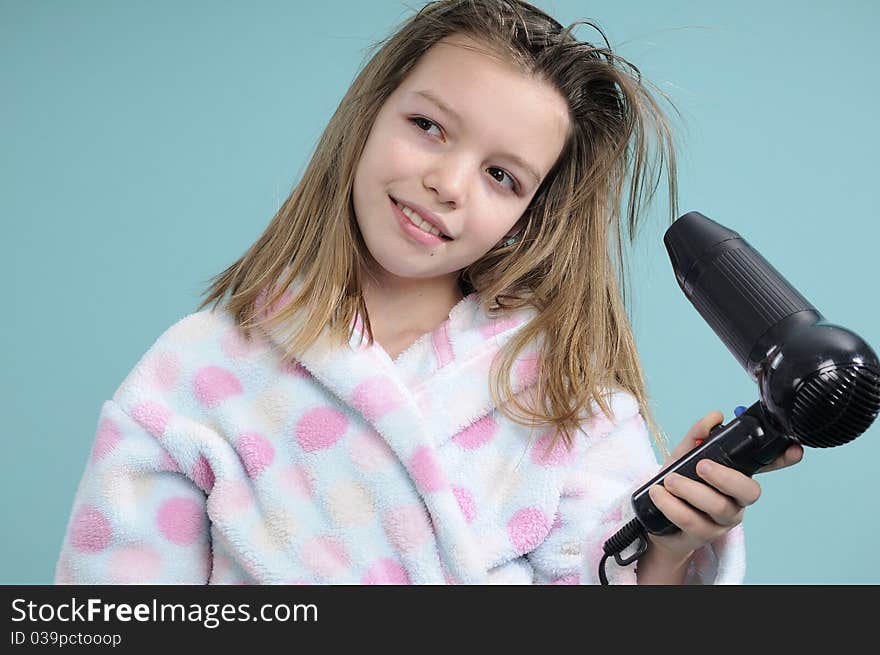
[(706, 511)]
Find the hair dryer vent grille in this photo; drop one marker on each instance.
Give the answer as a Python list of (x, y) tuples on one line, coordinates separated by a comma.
[(835, 405)]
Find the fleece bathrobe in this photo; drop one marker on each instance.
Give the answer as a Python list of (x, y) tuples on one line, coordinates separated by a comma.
[(215, 463)]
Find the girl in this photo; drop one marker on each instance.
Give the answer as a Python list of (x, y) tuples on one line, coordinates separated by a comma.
[(422, 372)]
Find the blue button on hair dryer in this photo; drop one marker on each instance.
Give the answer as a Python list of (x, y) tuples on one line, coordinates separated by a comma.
[(819, 383)]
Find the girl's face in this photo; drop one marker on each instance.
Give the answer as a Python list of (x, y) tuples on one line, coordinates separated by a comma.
[(465, 142)]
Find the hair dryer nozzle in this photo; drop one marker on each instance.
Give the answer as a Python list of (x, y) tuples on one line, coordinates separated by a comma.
[(689, 238), (736, 291)]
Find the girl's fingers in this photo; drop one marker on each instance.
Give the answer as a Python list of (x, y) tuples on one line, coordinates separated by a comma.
[(722, 509), (683, 516), (792, 455), (730, 482)]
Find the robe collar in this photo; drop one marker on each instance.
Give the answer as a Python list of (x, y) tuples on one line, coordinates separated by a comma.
[(434, 390)]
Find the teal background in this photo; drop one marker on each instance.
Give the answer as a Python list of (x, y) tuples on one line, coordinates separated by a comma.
[(145, 145)]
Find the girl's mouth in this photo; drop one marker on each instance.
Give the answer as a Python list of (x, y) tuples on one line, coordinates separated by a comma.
[(415, 226)]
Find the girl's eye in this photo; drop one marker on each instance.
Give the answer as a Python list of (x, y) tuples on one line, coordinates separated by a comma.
[(424, 124), (499, 174)]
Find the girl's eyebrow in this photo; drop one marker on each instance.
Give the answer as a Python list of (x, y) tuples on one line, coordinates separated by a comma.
[(516, 159)]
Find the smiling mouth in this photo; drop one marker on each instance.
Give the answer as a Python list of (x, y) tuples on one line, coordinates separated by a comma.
[(418, 221)]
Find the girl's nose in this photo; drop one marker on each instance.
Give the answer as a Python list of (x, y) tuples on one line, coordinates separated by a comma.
[(448, 178)]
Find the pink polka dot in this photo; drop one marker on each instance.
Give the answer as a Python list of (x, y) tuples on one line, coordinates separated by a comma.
[(527, 529), (165, 370), (213, 385), (324, 556), (90, 530), (527, 370), (376, 397), (370, 451), (203, 474), (465, 502), (407, 526), (320, 428), (478, 433), (256, 453), (386, 572), (574, 578), (153, 417), (106, 439), (181, 520), (556, 456), (135, 565), (426, 472)]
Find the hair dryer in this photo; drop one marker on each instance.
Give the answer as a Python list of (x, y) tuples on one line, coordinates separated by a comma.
[(818, 383)]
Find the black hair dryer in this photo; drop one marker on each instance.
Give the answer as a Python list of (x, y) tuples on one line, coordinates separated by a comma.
[(819, 383)]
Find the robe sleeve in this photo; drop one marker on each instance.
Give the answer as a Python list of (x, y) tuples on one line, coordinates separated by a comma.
[(136, 519), (609, 463)]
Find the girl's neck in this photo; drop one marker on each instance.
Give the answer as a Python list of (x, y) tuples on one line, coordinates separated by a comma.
[(401, 310)]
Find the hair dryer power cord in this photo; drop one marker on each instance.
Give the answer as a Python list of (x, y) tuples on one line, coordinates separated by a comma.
[(618, 542)]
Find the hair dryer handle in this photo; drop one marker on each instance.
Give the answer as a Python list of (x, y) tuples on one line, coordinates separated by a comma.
[(746, 444)]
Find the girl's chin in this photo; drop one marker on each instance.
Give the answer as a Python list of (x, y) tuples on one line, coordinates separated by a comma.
[(395, 265)]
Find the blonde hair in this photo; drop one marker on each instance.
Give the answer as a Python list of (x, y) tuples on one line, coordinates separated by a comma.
[(567, 262)]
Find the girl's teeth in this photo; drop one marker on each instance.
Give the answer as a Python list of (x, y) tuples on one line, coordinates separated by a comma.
[(416, 220)]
